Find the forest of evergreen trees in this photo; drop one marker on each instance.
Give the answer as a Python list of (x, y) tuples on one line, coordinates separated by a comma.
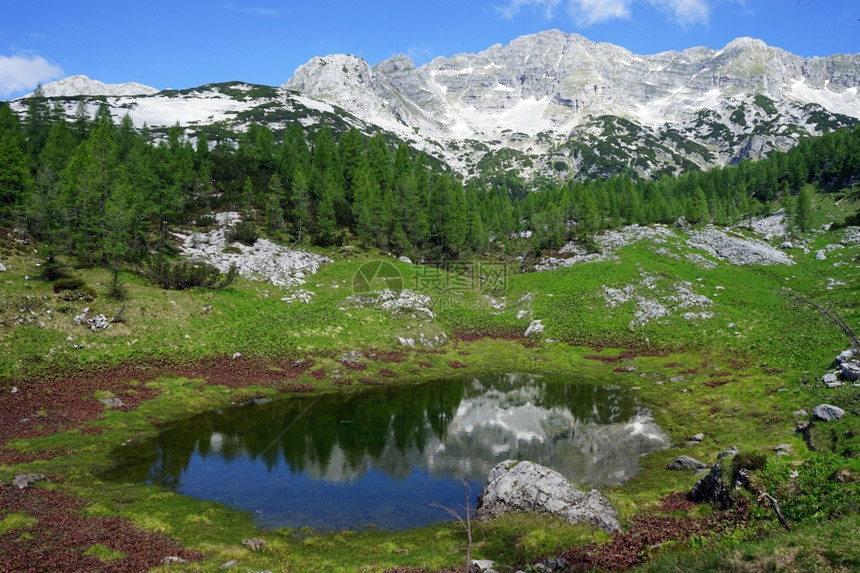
[(107, 194)]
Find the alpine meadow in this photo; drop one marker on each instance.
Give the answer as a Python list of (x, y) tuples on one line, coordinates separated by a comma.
[(552, 306)]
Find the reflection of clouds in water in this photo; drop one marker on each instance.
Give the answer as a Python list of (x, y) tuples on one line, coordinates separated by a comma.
[(502, 421)]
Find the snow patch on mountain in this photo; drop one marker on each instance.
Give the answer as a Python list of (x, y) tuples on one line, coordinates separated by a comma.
[(846, 102), (82, 85)]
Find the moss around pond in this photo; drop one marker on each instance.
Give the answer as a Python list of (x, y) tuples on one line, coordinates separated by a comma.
[(382, 456)]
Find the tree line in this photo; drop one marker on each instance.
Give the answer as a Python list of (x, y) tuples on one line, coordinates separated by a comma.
[(108, 194)]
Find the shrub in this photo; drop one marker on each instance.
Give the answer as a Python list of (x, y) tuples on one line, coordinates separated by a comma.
[(205, 221), (71, 283), (183, 275), (243, 232), (753, 461), (811, 490), (73, 288)]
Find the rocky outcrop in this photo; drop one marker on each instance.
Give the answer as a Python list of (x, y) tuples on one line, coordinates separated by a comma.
[(827, 413), (712, 488), (529, 487), (685, 463), (264, 260)]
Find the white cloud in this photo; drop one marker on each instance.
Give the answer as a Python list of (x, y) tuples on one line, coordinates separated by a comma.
[(590, 12), (514, 6), (25, 72), (685, 12), (252, 10)]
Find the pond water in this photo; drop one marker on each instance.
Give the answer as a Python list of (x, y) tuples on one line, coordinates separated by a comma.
[(381, 456)]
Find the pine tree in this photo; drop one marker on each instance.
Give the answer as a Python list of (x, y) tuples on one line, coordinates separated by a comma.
[(37, 121), (274, 211), (45, 211), (301, 211), (16, 180), (698, 209), (366, 205), (119, 221), (325, 228), (803, 209), (87, 182)]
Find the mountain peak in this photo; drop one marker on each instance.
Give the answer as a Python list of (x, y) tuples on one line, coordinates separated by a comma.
[(82, 85), (744, 42)]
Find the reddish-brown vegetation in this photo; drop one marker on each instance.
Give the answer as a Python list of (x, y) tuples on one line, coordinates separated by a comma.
[(296, 387), (59, 537), (648, 532), (51, 404), (395, 356)]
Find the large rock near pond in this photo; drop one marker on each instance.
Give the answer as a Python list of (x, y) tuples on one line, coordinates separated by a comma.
[(526, 486)]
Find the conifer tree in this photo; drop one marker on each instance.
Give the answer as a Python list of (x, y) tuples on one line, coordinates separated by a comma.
[(803, 209), (274, 211), (87, 182), (301, 209), (121, 208), (15, 177)]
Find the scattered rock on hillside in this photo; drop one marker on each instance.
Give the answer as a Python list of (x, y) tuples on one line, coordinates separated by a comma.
[(23, 481), (845, 355), (400, 301), (849, 371), (300, 295), (827, 413), (685, 463), (770, 225), (526, 486), (535, 327), (264, 260), (481, 566), (737, 250), (254, 543), (654, 299), (95, 322), (711, 488), (113, 402)]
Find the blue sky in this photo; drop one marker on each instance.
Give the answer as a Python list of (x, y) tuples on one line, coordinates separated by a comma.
[(187, 43)]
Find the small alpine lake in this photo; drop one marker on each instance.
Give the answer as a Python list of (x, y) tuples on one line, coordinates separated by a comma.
[(380, 456)]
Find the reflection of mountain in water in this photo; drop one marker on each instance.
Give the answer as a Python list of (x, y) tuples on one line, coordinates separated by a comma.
[(596, 437), (590, 434)]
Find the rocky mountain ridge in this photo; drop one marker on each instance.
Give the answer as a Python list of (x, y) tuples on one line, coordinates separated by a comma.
[(81, 85), (552, 96), (545, 104)]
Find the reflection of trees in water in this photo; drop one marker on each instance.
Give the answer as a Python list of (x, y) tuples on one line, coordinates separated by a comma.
[(432, 426)]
